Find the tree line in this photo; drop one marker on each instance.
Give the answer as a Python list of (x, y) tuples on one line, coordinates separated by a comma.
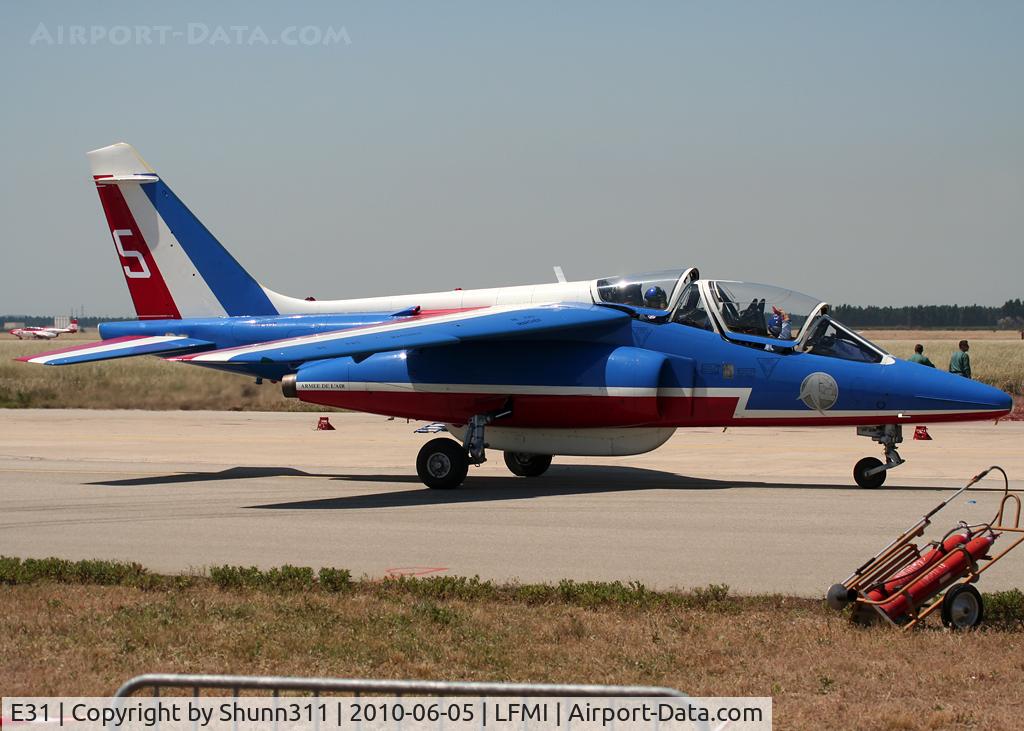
[(1009, 316)]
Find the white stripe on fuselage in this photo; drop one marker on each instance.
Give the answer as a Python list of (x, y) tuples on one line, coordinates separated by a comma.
[(225, 355), (534, 294), (479, 388)]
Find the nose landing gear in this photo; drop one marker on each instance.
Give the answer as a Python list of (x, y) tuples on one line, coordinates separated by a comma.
[(870, 472)]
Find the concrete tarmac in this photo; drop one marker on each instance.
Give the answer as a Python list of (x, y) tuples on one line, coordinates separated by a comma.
[(762, 510)]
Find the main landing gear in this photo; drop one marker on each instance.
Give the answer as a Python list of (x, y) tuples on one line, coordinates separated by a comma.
[(442, 464), (870, 472), (527, 465)]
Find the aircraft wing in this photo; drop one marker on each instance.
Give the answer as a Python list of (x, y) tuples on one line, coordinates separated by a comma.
[(490, 323), (118, 348)]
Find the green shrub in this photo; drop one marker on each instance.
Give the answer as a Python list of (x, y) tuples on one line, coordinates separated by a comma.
[(597, 593), (235, 577), (439, 587), (89, 571), (10, 570), (1004, 609), (288, 578), (335, 580)]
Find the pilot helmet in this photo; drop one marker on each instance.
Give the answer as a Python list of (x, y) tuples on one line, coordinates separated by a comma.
[(775, 324), (655, 298)]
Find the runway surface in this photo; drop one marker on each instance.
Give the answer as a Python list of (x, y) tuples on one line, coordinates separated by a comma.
[(757, 509)]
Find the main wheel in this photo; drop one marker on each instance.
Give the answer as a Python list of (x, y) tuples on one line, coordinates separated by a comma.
[(962, 607), (861, 476), (527, 465), (442, 464)]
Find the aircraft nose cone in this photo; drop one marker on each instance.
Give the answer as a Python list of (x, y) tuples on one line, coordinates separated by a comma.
[(1006, 401), (936, 390), (981, 395)]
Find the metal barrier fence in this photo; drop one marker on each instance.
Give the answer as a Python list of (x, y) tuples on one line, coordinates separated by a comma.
[(358, 686)]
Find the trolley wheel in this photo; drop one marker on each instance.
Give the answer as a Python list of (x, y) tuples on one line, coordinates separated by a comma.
[(861, 476), (527, 465), (442, 464), (962, 607)]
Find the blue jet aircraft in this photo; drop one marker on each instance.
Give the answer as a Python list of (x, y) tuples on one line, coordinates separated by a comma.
[(611, 366)]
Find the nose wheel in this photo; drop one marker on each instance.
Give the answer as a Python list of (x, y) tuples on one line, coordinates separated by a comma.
[(870, 472)]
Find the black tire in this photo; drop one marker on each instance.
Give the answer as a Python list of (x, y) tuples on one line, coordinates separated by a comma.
[(962, 607), (442, 464), (861, 476), (527, 465)]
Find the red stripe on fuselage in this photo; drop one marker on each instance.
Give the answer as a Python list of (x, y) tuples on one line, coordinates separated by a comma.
[(537, 411), (152, 298)]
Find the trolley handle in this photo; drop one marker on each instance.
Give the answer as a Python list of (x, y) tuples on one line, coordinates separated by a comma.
[(919, 527)]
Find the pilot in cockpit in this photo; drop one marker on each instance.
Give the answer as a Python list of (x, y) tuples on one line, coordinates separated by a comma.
[(655, 298), (779, 325)]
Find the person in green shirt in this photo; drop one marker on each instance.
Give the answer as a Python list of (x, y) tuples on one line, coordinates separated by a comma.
[(920, 357), (960, 363)]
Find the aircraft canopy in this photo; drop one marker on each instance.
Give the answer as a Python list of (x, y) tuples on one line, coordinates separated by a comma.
[(758, 315), (651, 290), (761, 309)]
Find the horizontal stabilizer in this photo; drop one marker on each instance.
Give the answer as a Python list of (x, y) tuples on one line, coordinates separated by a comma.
[(489, 323), (119, 348)]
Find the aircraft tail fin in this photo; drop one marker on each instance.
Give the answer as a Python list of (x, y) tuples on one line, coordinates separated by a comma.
[(173, 265), (73, 325)]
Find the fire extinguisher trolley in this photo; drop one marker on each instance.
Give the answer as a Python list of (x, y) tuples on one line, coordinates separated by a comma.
[(902, 584)]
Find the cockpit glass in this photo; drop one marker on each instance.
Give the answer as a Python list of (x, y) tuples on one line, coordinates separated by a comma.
[(690, 309), (761, 309), (831, 339), (652, 290)]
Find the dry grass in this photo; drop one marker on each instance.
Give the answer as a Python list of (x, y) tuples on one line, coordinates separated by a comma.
[(952, 335), (70, 639), (997, 362), (150, 383), (129, 383)]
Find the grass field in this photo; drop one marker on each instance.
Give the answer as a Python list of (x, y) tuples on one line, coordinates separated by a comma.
[(129, 383), (73, 637), (150, 383), (999, 362)]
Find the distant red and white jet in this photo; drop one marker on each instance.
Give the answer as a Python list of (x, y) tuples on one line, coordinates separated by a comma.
[(43, 333)]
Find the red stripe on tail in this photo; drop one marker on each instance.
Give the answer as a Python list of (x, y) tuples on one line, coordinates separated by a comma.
[(152, 299)]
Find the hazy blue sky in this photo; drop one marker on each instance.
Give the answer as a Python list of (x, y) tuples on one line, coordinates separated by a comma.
[(864, 152)]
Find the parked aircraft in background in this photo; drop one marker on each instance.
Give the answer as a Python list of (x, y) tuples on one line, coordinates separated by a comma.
[(43, 333), (611, 366)]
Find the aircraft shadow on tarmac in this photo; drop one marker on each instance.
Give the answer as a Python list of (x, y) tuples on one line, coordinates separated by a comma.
[(233, 473), (565, 480), (559, 480)]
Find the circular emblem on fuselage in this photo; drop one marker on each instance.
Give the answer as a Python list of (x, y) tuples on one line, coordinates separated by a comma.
[(819, 391)]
